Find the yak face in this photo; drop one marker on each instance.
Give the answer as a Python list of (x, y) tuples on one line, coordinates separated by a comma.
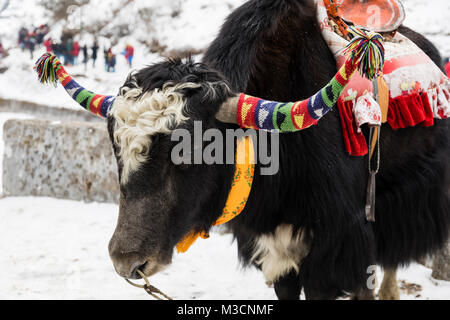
[(161, 202)]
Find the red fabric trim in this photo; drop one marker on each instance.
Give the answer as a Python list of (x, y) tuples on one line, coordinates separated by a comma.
[(404, 111), (355, 142), (410, 111)]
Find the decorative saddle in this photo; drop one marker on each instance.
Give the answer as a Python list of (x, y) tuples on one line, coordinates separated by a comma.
[(374, 15), (416, 90)]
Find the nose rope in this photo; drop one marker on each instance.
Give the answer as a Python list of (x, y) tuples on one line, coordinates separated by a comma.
[(151, 290)]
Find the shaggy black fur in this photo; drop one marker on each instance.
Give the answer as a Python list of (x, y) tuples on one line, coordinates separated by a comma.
[(274, 49)]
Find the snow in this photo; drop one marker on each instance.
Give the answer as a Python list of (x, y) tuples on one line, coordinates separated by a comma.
[(431, 17), (57, 249)]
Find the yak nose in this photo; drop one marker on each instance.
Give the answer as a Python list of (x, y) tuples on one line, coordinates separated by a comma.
[(126, 263)]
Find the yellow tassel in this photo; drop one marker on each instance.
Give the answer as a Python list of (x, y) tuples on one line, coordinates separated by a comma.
[(184, 245)]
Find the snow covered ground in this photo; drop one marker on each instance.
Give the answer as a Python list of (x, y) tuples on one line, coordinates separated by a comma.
[(56, 249)]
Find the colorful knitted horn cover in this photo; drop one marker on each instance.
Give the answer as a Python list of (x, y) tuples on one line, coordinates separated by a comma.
[(50, 70), (365, 53)]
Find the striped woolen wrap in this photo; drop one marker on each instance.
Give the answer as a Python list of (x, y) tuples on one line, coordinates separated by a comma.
[(256, 113), (49, 66)]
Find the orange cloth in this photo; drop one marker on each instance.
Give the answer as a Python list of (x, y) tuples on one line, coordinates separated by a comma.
[(240, 191)]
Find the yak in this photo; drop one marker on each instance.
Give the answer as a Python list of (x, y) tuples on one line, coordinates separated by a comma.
[(305, 226), (274, 49)]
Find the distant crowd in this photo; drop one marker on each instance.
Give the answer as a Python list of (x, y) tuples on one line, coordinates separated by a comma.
[(67, 49), (29, 39)]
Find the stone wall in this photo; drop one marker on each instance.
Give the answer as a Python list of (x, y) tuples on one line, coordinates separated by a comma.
[(44, 112), (68, 160)]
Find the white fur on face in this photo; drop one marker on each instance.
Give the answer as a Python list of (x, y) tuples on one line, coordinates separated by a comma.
[(139, 116), (280, 253)]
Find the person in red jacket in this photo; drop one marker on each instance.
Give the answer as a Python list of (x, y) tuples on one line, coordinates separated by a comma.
[(48, 45), (75, 52), (129, 54), (447, 66)]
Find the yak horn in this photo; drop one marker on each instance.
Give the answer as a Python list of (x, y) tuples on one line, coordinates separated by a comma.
[(228, 111), (50, 70), (365, 53)]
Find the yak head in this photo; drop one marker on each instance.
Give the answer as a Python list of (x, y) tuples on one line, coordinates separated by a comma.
[(162, 200)]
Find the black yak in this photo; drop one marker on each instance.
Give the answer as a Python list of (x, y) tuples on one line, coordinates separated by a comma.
[(305, 226), (274, 49)]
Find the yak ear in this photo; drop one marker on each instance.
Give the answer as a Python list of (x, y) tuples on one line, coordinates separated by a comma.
[(228, 110)]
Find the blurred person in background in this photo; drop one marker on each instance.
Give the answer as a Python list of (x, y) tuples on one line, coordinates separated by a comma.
[(85, 56), (43, 31), (113, 62), (69, 50), (31, 44), (56, 47), (40, 34), (106, 58), (75, 52), (95, 48), (110, 60), (48, 45), (23, 35), (129, 54)]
